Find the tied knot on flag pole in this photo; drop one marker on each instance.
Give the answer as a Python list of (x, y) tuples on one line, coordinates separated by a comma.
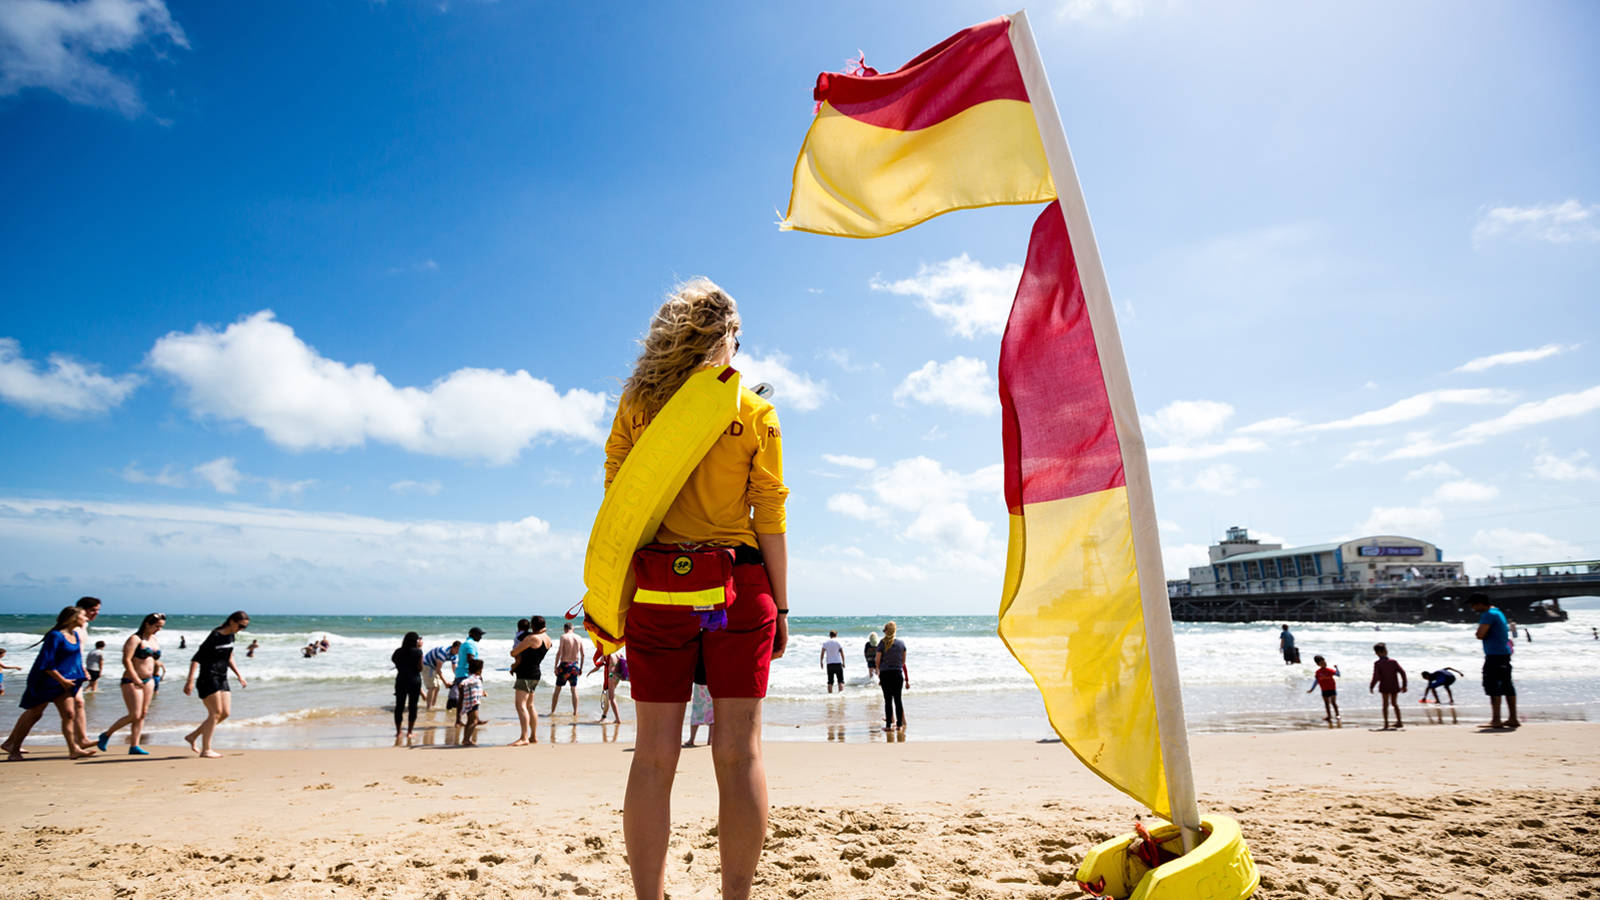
[(854, 68)]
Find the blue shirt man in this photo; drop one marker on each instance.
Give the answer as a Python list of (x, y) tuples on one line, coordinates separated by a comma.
[(1497, 682), (469, 651), (1496, 642)]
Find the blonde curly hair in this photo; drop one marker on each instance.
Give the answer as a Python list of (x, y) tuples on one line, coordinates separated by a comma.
[(695, 323)]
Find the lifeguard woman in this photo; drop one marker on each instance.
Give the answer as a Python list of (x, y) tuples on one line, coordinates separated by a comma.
[(733, 499)]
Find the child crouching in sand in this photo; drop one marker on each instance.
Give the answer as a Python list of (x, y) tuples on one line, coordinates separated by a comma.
[(1324, 679), (1390, 681), (471, 699)]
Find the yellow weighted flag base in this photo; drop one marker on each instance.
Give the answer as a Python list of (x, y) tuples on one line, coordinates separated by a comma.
[(1220, 868)]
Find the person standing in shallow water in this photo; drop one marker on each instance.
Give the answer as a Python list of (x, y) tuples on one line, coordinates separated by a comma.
[(208, 670), (407, 681), (527, 659), (733, 499), (892, 678)]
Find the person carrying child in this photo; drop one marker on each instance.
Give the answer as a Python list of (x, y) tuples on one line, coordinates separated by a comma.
[(1440, 679), (1389, 679), (1324, 679)]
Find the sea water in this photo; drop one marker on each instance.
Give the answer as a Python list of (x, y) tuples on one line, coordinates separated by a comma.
[(965, 685)]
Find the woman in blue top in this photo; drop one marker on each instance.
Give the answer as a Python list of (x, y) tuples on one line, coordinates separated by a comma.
[(55, 678)]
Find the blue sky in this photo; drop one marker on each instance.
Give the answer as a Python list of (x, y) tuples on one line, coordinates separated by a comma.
[(325, 306)]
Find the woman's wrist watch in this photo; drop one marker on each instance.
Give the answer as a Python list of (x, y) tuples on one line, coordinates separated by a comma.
[(783, 612)]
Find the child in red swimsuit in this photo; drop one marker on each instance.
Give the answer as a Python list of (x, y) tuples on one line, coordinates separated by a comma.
[(1330, 688)]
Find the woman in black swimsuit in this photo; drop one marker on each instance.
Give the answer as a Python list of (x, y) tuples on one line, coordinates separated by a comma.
[(407, 681), (209, 670), (139, 655), (529, 655)]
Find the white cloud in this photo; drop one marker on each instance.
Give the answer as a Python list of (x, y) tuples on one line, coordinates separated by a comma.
[(856, 507), (277, 488), (1276, 425), (1434, 470), (1180, 453), (68, 388), (1168, 525), (1567, 222), (1417, 406), (850, 462), (167, 477), (1178, 559), (1570, 468), (1476, 565), (963, 384), (1538, 412), (1409, 521), (792, 390), (1513, 357), (1218, 479), (972, 298), (1464, 491), (407, 486), (844, 360), (856, 563), (1186, 421), (222, 474), (936, 500), (1524, 546), (1108, 11), (58, 46), (185, 554), (420, 268), (259, 372)]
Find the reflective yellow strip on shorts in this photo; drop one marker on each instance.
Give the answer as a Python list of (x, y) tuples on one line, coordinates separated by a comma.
[(707, 598)]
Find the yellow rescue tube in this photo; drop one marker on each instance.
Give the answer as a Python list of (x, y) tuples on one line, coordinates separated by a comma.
[(1220, 868), (650, 478)]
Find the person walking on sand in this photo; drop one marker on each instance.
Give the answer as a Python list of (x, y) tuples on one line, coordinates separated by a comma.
[(208, 670), (139, 655), (527, 658), (1440, 679), (1324, 679), (832, 660), (731, 504), (407, 661), (871, 651), (91, 611), (1286, 647), (56, 677), (433, 666), (569, 667), (892, 678), (1496, 660), (1389, 679)]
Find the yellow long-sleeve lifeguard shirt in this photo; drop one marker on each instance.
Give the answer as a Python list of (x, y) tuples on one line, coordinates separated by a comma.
[(737, 490)]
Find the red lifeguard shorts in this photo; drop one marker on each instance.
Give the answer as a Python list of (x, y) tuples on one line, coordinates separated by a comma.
[(667, 649)]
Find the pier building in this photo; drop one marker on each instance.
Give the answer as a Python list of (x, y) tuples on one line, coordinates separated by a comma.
[(1240, 564)]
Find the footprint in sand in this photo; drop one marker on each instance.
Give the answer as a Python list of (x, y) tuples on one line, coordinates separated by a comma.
[(422, 779), (324, 786)]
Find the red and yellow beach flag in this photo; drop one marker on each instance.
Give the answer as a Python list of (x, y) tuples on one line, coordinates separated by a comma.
[(972, 123), (1071, 610), (952, 129)]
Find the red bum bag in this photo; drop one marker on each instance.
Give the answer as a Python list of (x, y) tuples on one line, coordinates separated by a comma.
[(667, 575)]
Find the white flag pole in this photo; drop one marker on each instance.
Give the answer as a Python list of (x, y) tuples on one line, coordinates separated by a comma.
[(1136, 467)]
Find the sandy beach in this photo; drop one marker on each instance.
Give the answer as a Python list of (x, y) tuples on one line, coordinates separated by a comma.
[(1430, 812)]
